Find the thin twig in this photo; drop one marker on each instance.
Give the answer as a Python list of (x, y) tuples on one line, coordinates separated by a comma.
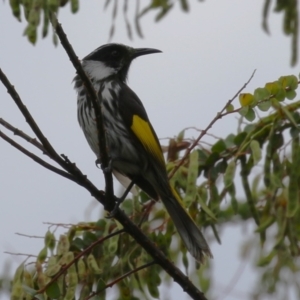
[(30, 236), (37, 159), (204, 132), (23, 135), (20, 254)]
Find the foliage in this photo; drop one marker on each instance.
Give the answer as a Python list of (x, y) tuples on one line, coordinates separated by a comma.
[(34, 10), (90, 257), (290, 22)]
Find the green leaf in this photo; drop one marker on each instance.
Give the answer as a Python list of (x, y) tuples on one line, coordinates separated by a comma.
[(249, 128), (63, 245), (292, 82), (246, 99), (212, 159), (289, 116), (70, 293), (239, 139), (89, 238), (264, 261), (256, 151), (191, 186), (294, 132), (264, 105), (92, 264), (205, 208), (266, 223), (180, 135), (16, 291), (31, 33), (234, 202), (19, 273), (229, 108), (53, 5), (85, 291), (272, 87), (53, 291), (229, 173), (15, 6), (229, 141), (293, 188), (30, 291), (74, 6), (244, 110), (219, 146), (221, 166), (281, 94), (100, 285), (202, 157), (261, 94), (52, 270), (291, 94), (250, 115), (50, 240), (113, 244), (153, 282)]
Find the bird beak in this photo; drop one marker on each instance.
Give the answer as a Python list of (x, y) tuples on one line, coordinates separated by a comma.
[(143, 51)]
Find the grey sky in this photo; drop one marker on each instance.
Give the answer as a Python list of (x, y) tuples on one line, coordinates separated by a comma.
[(207, 56)]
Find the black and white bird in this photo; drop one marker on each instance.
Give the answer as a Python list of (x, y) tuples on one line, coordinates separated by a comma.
[(132, 143)]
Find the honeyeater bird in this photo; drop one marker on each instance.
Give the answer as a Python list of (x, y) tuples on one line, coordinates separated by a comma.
[(132, 144)]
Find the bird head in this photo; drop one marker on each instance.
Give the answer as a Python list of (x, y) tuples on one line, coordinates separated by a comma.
[(112, 59)]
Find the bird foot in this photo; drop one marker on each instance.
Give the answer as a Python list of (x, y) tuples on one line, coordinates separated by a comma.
[(99, 165)]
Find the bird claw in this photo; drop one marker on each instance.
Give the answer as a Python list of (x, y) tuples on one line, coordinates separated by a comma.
[(99, 165)]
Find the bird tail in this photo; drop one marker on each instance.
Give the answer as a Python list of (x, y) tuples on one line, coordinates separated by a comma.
[(186, 227)]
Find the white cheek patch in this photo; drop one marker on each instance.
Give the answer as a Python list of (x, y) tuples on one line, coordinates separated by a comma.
[(97, 70)]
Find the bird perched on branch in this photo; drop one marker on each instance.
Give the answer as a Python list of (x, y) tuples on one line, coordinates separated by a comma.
[(132, 144)]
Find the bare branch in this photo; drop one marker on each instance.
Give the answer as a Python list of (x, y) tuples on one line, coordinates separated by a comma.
[(23, 135), (37, 159)]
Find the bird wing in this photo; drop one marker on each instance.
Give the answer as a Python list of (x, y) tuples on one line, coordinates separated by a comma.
[(135, 117)]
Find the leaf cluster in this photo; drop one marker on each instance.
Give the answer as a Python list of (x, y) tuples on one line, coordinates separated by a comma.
[(289, 8), (35, 10)]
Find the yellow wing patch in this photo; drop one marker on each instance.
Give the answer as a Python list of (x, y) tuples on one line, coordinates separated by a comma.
[(143, 132)]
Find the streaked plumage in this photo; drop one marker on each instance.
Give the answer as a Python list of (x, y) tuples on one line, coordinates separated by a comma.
[(132, 143)]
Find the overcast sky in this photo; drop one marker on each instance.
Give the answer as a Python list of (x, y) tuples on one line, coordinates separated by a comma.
[(208, 54)]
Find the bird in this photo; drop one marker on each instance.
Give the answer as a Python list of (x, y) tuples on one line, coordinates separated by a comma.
[(133, 147)]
